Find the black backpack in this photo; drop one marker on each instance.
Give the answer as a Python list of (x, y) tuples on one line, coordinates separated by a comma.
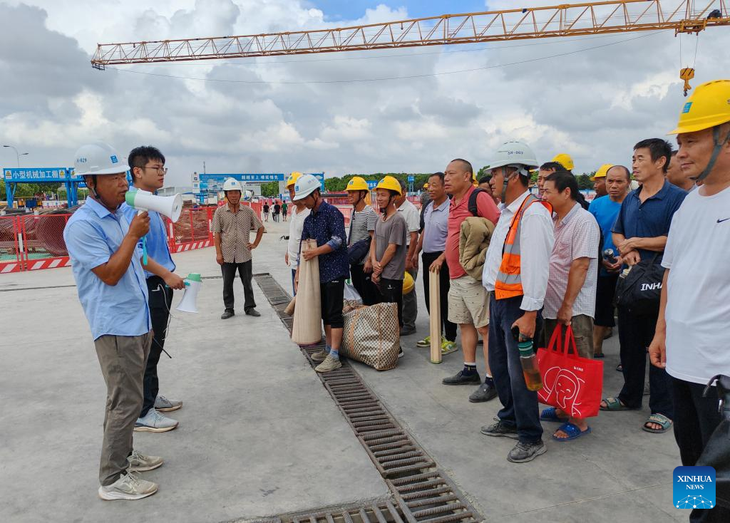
[(473, 209)]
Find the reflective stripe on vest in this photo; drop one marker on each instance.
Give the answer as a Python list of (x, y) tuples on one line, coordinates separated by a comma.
[(509, 278)]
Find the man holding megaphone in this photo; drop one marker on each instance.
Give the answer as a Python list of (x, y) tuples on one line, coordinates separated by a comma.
[(147, 166)]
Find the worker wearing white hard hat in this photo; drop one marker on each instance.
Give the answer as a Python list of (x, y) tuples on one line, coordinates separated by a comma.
[(104, 253), (516, 274), (296, 223), (232, 226), (326, 225)]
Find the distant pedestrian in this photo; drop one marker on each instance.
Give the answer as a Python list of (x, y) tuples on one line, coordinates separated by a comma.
[(640, 234), (284, 210), (266, 211), (606, 209), (326, 225), (413, 221), (570, 299), (232, 225), (296, 224), (277, 211)]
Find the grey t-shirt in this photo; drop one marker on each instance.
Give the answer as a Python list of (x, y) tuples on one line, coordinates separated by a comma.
[(393, 230)]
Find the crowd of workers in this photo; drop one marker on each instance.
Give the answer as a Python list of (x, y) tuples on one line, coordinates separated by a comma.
[(552, 261)]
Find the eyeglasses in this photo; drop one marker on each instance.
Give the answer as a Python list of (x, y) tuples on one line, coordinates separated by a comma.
[(162, 170)]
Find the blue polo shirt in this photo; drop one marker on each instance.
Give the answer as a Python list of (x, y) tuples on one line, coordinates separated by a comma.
[(324, 225), (605, 210), (157, 247), (651, 218), (92, 235)]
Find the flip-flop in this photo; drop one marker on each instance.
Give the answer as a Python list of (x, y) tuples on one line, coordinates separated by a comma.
[(572, 430), (613, 404), (550, 414), (659, 419)]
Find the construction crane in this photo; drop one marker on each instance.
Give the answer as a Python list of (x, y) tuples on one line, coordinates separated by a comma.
[(581, 19)]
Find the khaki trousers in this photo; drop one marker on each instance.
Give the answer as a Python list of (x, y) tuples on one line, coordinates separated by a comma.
[(123, 360)]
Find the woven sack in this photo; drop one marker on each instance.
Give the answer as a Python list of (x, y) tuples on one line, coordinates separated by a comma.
[(372, 336), (307, 327)]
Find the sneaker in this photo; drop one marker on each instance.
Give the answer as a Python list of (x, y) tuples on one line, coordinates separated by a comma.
[(320, 356), (227, 314), (329, 364), (141, 463), (155, 422), (463, 379), (447, 347), (400, 352), (129, 487), (524, 452), (407, 331), (253, 312), (484, 393), (499, 430), (425, 342), (162, 404)]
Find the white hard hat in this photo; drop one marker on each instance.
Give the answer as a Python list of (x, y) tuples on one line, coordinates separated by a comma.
[(231, 184), (305, 186), (514, 154), (98, 158)]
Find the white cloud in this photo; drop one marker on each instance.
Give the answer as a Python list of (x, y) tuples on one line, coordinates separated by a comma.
[(594, 104)]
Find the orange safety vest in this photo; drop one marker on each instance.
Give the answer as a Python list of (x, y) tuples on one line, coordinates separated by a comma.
[(509, 278)]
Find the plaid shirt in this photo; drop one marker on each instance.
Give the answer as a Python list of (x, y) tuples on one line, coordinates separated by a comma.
[(235, 230)]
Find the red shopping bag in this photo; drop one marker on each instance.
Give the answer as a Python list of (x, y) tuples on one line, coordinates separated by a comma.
[(570, 383)]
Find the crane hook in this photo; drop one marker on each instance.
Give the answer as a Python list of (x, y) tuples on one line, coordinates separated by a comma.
[(687, 74)]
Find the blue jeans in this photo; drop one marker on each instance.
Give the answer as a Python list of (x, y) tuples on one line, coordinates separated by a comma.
[(519, 405)]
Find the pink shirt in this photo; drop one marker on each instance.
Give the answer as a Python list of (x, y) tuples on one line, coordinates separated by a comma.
[(458, 212)]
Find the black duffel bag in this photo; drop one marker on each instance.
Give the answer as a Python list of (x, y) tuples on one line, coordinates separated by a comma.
[(639, 288), (358, 250)]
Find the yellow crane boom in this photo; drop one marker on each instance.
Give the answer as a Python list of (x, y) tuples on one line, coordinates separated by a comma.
[(619, 16)]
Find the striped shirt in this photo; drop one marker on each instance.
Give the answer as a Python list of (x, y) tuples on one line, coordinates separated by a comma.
[(577, 235), (235, 230)]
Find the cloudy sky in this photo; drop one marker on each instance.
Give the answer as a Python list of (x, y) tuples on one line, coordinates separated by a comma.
[(275, 114)]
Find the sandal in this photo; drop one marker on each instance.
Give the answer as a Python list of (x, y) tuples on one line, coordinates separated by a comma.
[(613, 404), (659, 419), (572, 430), (550, 414)]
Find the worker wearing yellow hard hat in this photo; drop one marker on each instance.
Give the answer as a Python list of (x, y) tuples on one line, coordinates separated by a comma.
[(293, 177), (565, 160), (362, 228), (706, 113), (691, 336), (599, 180), (388, 250)]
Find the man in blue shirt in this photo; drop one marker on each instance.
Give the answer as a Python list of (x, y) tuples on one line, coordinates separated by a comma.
[(605, 209), (148, 171), (326, 225), (105, 257), (640, 233)]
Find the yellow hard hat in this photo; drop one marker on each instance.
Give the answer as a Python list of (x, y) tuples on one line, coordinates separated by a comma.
[(408, 283), (293, 177), (708, 106), (390, 183), (565, 160), (425, 185), (602, 171), (357, 183)]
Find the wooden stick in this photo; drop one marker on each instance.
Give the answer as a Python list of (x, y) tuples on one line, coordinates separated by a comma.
[(434, 293)]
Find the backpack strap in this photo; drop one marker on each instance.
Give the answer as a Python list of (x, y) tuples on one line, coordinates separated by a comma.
[(473, 209)]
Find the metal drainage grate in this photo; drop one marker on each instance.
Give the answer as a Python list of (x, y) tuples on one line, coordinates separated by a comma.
[(380, 513), (423, 492)]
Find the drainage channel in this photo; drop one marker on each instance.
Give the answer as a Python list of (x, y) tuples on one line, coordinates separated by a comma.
[(422, 492)]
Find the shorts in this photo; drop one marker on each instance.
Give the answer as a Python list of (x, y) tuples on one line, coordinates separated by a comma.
[(582, 331), (468, 302), (332, 294), (605, 292)]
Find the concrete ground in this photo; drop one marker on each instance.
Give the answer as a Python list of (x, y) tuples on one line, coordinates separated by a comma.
[(256, 421)]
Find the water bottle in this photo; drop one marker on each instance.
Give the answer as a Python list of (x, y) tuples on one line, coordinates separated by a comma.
[(528, 360), (609, 256)]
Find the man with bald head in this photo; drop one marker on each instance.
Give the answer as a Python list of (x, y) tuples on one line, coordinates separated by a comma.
[(468, 300)]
